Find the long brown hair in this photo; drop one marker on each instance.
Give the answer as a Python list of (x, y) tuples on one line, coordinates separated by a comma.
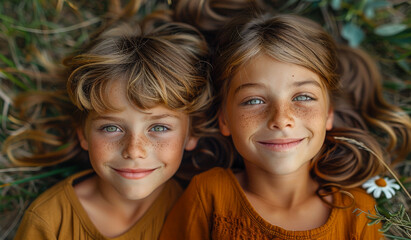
[(361, 103), (297, 40)]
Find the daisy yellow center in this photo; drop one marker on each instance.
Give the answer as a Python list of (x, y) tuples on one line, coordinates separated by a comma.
[(381, 182)]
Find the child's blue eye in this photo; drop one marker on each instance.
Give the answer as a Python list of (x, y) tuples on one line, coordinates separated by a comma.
[(254, 101), (303, 98), (111, 129), (159, 128)]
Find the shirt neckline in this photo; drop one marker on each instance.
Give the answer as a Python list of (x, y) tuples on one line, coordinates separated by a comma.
[(89, 225), (276, 230)]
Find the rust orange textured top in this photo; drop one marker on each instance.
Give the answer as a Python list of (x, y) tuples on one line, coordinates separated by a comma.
[(214, 206), (58, 214)]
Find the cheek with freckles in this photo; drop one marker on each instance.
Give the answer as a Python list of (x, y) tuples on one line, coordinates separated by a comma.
[(312, 115), (249, 119), (104, 147), (169, 150), (165, 147), (160, 146)]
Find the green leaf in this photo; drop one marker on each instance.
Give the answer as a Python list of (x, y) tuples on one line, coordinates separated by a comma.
[(397, 86), (7, 61), (43, 175), (335, 4), (404, 65), (375, 221), (353, 34), (369, 12), (378, 4), (395, 237), (15, 80), (383, 211), (371, 6), (402, 211), (6, 19), (385, 227), (389, 29), (402, 39)]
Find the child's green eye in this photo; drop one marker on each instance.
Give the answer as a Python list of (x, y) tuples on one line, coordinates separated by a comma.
[(303, 98), (111, 129), (254, 102), (159, 128)]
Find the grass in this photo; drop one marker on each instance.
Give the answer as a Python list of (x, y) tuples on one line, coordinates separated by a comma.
[(36, 34)]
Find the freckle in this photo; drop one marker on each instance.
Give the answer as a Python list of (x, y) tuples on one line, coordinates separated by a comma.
[(300, 112), (161, 145), (246, 120), (292, 75)]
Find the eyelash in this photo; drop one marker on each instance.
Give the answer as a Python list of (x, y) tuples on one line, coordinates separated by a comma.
[(157, 126), (117, 129), (249, 102), (105, 128), (307, 98)]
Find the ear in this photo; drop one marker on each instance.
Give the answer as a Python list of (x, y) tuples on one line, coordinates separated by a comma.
[(82, 139), (191, 143), (222, 123), (330, 119)]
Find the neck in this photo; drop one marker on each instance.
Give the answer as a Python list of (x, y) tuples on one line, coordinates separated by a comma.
[(130, 209), (282, 191)]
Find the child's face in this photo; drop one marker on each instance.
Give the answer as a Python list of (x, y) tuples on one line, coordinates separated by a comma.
[(135, 152), (277, 115)]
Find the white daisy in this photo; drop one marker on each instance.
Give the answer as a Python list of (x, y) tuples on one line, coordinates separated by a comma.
[(378, 185)]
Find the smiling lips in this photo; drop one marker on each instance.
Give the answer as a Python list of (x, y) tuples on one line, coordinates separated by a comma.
[(134, 173), (281, 145)]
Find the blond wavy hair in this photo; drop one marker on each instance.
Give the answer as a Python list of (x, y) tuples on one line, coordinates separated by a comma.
[(163, 62)]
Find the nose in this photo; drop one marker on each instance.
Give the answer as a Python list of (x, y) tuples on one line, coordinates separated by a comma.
[(135, 147), (281, 116)]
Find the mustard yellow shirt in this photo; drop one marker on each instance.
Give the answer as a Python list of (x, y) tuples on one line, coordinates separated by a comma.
[(214, 206), (58, 214)]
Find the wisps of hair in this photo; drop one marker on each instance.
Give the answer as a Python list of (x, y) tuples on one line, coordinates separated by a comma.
[(345, 163), (211, 15), (46, 134)]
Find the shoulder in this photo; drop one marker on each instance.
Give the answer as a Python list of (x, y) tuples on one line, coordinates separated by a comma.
[(56, 211), (216, 183), (363, 204), (170, 193), (362, 199), (212, 178), (355, 200), (173, 186), (214, 173), (56, 197)]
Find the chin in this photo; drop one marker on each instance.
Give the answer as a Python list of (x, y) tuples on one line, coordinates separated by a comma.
[(135, 193), (279, 169), (138, 195)]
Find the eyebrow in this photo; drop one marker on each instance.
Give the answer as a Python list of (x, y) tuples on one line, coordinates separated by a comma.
[(100, 117), (307, 82), (296, 84), (246, 85), (152, 117), (161, 116)]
